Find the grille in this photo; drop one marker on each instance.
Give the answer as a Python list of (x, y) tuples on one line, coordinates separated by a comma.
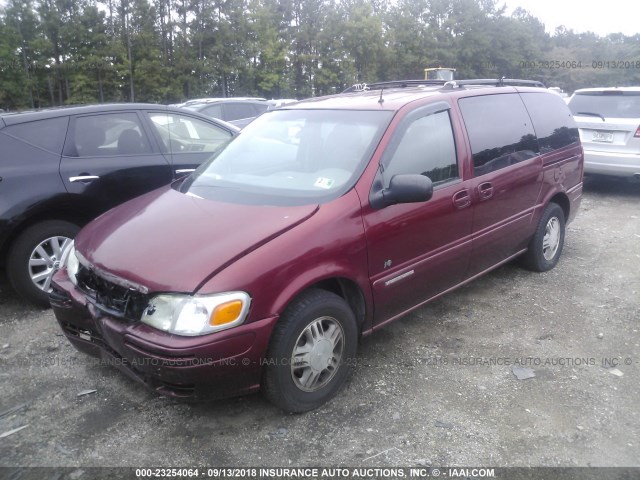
[(114, 299)]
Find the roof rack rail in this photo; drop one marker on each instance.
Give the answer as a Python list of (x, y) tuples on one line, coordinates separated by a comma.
[(361, 87), (497, 82)]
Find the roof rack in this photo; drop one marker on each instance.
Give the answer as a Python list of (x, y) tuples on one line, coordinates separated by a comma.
[(362, 87), (497, 82)]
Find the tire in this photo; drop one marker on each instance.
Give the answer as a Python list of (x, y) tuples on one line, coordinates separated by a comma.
[(546, 244), (34, 258), (321, 327)]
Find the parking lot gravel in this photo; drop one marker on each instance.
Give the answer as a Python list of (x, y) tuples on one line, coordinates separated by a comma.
[(514, 369)]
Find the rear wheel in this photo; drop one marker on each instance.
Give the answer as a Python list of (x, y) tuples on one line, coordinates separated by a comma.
[(546, 244), (311, 352), (35, 257)]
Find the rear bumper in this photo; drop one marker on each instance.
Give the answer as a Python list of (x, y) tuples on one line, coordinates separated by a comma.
[(608, 163), (222, 364)]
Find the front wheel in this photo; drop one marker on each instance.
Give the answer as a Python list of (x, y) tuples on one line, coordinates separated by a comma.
[(546, 244), (311, 352), (35, 257)]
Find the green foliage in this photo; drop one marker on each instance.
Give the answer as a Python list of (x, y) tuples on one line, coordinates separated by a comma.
[(55, 52)]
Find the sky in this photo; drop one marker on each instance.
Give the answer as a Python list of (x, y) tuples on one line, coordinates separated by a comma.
[(600, 17)]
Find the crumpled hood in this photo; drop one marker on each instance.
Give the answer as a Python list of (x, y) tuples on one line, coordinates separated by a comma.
[(169, 241)]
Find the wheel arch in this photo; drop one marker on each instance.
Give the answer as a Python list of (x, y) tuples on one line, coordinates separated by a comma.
[(345, 288), (62, 214), (562, 200)]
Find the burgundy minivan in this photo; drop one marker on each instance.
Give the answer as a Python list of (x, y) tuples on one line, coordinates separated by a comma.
[(321, 222)]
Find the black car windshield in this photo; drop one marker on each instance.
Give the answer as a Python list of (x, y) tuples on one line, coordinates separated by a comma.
[(606, 103), (292, 157)]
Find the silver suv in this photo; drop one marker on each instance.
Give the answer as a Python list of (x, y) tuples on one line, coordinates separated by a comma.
[(609, 123)]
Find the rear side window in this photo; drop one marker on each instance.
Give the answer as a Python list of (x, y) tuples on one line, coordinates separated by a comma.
[(500, 131), (552, 121), (109, 134), (214, 111), (236, 111), (427, 148), (606, 103), (47, 134)]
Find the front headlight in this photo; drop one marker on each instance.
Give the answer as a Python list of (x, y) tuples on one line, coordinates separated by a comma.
[(70, 260), (193, 315)]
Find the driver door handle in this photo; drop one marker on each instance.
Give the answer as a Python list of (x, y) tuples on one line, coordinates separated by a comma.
[(84, 178)]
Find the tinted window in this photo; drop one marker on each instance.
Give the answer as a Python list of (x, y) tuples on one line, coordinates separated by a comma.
[(500, 131), (608, 103), (183, 134), (108, 135), (236, 111), (427, 148), (48, 134), (552, 121), (214, 111)]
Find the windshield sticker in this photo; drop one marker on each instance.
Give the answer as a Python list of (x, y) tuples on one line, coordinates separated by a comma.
[(325, 183)]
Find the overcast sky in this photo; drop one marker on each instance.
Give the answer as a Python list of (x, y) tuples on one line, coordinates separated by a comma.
[(601, 17)]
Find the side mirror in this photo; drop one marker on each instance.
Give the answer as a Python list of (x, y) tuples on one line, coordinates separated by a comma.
[(403, 189)]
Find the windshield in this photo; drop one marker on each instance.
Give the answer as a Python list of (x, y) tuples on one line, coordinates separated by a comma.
[(607, 104), (292, 157)]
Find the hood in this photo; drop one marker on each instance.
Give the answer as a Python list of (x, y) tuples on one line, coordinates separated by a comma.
[(171, 242)]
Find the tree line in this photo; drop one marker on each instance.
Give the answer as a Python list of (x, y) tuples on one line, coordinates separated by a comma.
[(58, 52)]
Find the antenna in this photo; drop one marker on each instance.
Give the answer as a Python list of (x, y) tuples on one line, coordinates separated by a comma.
[(381, 100)]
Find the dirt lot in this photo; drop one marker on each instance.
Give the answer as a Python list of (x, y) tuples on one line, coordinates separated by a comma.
[(435, 388)]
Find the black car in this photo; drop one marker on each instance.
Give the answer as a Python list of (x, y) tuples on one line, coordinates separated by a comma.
[(62, 167)]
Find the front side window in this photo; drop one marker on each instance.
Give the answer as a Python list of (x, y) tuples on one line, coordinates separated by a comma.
[(110, 134), (184, 134), (499, 130), (427, 148), (292, 157)]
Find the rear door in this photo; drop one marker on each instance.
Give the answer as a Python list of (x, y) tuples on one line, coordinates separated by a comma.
[(186, 141), (29, 164), (108, 158), (507, 176), (418, 250)]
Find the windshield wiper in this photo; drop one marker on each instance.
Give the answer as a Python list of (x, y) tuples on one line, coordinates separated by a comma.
[(591, 114)]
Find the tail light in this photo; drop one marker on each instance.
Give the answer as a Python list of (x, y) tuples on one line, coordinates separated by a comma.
[(637, 135)]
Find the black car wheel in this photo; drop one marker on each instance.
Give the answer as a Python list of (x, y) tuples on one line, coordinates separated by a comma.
[(547, 242), (35, 257), (311, 352)]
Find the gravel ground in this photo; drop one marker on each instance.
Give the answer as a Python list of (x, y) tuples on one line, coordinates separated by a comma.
[(438, 387)]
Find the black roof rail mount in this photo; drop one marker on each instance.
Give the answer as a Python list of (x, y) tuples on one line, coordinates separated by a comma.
[(496, 82)]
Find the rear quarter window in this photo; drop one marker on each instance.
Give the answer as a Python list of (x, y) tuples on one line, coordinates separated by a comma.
[(47, 134), (499, 130), (552, 121)]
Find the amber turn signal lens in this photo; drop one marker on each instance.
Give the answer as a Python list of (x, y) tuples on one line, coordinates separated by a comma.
[(226, 313)]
